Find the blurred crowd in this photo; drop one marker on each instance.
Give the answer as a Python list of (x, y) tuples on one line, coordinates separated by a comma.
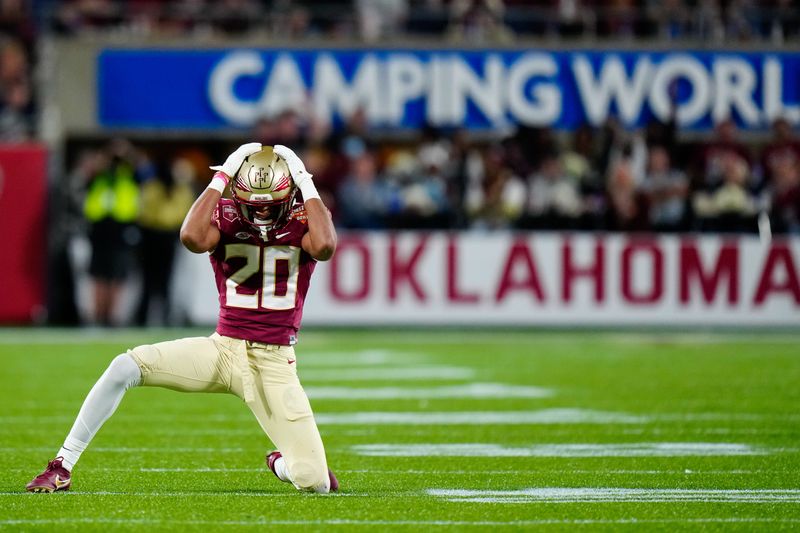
[(129, 206), (17, 42), (603, 178), (459, 20), (129, 199)]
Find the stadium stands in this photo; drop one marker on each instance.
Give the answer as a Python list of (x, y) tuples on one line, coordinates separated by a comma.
[(658, 177)]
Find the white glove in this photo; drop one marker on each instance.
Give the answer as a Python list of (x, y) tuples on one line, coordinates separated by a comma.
[(298, 171), (231, 165)]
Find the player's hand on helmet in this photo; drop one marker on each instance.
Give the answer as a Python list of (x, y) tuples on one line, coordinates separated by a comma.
[(231, 165), (296, 167)]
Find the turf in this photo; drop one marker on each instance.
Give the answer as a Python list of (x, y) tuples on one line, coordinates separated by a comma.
[(725, 407)]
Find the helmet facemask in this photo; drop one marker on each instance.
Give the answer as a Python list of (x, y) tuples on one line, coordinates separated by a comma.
[(264, 191)]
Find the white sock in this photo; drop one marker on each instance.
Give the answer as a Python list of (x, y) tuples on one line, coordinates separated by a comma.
[(101, 402), (280, 469)]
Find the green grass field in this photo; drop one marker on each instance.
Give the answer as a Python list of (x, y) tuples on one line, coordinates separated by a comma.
[(449, 430)]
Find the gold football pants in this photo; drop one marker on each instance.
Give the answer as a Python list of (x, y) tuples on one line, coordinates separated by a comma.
[(263, 375)]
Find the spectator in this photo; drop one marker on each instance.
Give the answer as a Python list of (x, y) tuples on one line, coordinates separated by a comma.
[(671, 17), (380, 19), (165, 200), (554, 200), (364, 198), (293, 24), (66, 223), (667, 191), (16, 101), (465, 159), (617, 18), (83, 16), (707, 21), (495, 197), (784, 21), (183, 17), (15, 19), (236, 17), (730, 207), (478, 21), (423, 187), (714, 154), (783, 147), (573, 18), (741, 20), (627, 205), (111, 207), (785, 213), (329, 168), (631, 149), (577, 160), (16, 112)]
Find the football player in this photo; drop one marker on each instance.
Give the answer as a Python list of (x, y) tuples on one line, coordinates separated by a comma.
[(263, 245)]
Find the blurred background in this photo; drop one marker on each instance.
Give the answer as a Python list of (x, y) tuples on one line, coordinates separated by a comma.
[(543, 162)]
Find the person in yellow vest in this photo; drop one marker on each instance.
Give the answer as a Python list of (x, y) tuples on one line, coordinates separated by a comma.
[(165, 200), (111, 207)]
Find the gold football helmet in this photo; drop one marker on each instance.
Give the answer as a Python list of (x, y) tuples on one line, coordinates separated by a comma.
[(264, 190)]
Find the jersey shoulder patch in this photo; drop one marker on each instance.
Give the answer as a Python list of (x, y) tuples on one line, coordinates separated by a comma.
[(226, 218), (228, 211), (299, 214)]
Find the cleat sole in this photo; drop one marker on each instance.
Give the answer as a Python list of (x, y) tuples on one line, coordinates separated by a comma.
[(47, 490)]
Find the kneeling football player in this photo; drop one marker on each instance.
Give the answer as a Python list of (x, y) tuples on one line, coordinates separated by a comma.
[(263, 245)]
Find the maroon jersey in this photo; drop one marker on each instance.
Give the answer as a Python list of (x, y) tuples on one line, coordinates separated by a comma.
[(262, 279)]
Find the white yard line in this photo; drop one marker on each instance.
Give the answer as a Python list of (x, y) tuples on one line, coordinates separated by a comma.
[(659, 449), (127, 449), (317, 358), (556, 415), (201, 494), (479, 418), (612, 494), (468, 472), (388, 373), (646, 449), (343, 521), (470, 390)]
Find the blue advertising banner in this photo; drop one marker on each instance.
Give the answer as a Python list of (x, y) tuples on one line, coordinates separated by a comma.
[(209, 89)]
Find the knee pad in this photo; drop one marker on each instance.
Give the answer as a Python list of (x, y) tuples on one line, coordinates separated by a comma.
[(306, 476), (124, 371), (295, 402)]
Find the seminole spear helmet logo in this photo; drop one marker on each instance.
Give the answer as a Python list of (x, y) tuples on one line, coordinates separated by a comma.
[(264, 190)]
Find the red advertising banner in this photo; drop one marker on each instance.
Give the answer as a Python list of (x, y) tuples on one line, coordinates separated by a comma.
[(23, 171), (540, 278)]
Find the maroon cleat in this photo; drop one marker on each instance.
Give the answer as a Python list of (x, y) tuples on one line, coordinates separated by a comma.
[(54, 478), (273, 456), (334, 486)]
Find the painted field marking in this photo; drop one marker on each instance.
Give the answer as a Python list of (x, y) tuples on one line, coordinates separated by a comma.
[(514, 472), (198, 494), (643, 449), (130, 449), (662, 449), (676, 418), (478, 418), (613, 494), (389, 373), (470, 390), (359, 357), (343, 521)]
